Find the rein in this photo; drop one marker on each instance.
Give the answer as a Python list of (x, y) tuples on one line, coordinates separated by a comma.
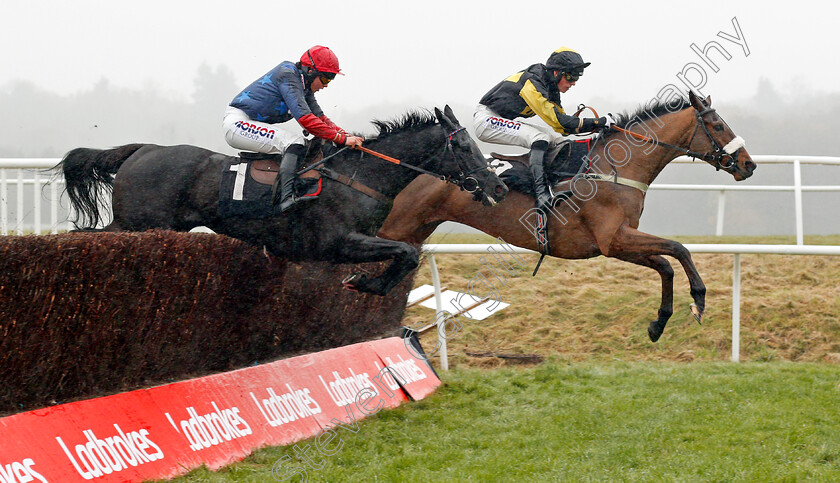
[(719, 154), (463, 178), (387, 158), (398, 162), (319, 163), (460, 182)]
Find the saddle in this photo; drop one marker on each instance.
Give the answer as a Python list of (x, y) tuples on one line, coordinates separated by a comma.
[(263, 168), (565, 161), (562, 162), (246, 187)]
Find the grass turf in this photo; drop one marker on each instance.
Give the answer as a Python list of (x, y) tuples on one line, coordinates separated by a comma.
[(619, 421)]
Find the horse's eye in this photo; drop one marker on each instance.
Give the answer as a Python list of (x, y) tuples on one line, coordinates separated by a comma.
[(719, 128)]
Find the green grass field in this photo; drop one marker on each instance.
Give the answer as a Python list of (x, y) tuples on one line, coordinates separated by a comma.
[(653, 421), (607, 404)]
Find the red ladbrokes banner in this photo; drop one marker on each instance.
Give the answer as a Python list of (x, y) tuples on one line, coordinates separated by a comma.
[(168, 430)]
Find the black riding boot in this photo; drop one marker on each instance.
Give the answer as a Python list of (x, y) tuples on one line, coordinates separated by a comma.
[(542, 192), (286, 176)]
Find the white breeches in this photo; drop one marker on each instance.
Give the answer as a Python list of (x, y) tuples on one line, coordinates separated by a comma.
[(242, 132), (493, 128)]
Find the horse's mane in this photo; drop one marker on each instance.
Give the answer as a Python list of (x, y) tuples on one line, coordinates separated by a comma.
[(410, 121), (648, 112)]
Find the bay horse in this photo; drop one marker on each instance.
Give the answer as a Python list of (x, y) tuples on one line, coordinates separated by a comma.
[(599, 214), (177, 188)]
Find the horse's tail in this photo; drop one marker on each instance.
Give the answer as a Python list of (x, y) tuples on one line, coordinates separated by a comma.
[(89, 179)]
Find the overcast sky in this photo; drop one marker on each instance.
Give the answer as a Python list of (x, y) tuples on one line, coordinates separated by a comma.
[(425, 53)]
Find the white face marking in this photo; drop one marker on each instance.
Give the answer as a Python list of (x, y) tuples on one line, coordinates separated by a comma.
[(734, 145)]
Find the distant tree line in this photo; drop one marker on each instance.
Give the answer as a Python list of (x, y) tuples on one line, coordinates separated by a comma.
[(38, 123)]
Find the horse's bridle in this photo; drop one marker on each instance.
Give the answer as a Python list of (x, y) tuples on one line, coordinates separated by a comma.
[(466, 181), (721, 153)]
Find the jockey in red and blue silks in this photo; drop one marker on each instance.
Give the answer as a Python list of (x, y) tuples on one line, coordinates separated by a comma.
[(253, 118)]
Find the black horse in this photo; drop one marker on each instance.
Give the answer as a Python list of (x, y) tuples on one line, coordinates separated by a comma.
[(177, 188)]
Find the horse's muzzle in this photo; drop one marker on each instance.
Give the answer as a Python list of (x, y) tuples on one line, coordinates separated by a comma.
[(740, 173)]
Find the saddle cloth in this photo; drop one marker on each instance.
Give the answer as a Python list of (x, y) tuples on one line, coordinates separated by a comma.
[(245, 189), (564, 164)]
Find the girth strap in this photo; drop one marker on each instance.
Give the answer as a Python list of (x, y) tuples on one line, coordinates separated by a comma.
[(352, 183), (617, 179)]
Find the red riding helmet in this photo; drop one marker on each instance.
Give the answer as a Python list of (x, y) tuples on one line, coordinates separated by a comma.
[(321, 59)]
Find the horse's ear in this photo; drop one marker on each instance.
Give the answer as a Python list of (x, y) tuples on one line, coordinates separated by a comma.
[(451, 115), (696, 102), (444, 119), (708, 101)]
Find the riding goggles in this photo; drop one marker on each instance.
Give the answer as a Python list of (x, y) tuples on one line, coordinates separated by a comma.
[(326, 77), (572, 76)]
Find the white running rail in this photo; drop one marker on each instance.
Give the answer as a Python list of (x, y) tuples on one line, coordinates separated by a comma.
[(20, 172), (737, 250)]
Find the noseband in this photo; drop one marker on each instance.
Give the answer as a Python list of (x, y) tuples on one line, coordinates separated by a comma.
[(729, 153)]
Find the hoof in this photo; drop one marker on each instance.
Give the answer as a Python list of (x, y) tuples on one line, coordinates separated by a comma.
[(697, 313), (362, 284), (350, 283), (655, 331)]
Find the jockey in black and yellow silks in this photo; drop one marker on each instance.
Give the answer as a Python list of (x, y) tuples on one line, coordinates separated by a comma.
[(505, 114)]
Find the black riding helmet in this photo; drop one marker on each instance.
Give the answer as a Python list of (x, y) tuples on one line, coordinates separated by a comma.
[(567, 62)]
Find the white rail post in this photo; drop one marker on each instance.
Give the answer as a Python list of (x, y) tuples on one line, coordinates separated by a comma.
[(4, 203), (36, 201), (71, 214), (721, 210), (797, 190), (19, 207), (736, 308), (54, 198), (439, 318)]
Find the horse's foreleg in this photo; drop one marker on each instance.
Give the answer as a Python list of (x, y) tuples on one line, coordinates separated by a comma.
[(666, 305), (629, 242), (358, 248), (411, 235)]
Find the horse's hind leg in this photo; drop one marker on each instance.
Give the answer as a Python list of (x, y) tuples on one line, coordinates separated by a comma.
[(358, 248), (666, 305), (629, 242)]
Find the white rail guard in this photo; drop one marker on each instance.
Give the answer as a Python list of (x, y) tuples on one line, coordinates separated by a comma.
[(797, 188), (37, 168), (737, 250)]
